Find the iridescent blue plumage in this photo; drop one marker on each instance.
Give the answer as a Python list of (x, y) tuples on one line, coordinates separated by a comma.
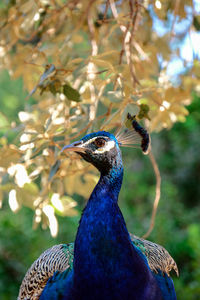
[(99, 133), (107, 265)]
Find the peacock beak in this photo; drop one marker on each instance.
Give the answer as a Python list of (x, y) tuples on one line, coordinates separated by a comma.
[(76, 147)]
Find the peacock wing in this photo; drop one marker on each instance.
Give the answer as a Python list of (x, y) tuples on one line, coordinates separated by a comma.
[(158, 258), (58, 258)]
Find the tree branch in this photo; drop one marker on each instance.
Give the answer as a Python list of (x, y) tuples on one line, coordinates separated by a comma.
[(157, 196)]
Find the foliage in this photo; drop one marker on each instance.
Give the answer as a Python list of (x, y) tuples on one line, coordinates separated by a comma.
[(83, 65), (86, 64)]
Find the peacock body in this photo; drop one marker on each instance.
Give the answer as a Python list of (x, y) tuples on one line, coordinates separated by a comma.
[(105, 262)]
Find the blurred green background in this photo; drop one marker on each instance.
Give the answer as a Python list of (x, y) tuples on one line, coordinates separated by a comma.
[(177, 225)]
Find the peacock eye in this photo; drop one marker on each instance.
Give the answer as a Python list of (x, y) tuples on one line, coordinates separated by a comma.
[(99, 142)]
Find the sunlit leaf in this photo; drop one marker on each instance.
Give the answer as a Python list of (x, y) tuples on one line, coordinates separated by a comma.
[(9, 155), (64, 205), (27, 194)]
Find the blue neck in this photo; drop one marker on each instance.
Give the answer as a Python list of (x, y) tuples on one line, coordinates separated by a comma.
[(104, 254), (109, 185)]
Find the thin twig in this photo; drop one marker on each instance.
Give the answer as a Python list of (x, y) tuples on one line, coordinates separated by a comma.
[(175, 13), (128, 36), (106, 10), (91, 65), (126, 32), (157, 196), (134, 18)]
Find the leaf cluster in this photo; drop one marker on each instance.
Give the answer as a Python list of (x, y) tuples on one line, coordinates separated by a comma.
[(86, 63)]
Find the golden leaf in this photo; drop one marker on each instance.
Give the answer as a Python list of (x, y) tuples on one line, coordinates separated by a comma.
[(9, 155)]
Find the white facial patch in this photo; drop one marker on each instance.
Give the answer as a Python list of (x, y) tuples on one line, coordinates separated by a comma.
[(108, 146)]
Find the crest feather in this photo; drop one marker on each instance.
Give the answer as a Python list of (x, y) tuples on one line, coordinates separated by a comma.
[(136, 136)]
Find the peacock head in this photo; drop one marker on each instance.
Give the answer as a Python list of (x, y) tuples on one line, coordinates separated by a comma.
[(100, 149)]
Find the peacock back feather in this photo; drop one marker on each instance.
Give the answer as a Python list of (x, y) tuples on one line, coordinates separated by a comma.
[(58, 261)]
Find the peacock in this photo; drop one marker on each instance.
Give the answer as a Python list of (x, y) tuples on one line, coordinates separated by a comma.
[(105, 262)]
